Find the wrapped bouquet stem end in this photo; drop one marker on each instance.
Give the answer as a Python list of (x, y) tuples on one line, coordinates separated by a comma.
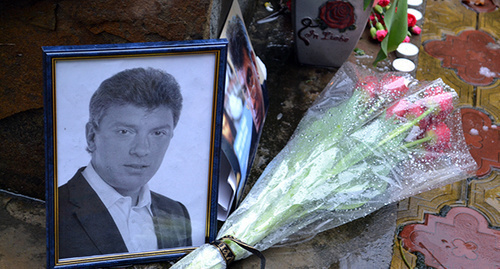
[(370, 139)]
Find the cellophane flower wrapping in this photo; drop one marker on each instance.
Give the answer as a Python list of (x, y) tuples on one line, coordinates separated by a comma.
[(369, 140)]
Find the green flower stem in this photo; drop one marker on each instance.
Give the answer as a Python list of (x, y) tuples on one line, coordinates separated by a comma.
[(285, 207), (416, 142), (407, 126), (364, 151)]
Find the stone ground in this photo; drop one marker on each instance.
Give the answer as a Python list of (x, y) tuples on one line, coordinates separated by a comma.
[(455, 44)]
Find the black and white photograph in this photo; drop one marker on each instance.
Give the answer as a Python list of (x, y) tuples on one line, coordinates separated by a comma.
[(134, 139)]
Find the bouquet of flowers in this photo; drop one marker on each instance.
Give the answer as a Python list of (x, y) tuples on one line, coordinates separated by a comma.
[(378, 27), (367, 141)]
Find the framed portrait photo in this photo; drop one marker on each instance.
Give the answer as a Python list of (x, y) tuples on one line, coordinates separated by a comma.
[(133, 138)]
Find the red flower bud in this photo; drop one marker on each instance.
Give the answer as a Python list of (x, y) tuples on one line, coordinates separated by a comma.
[(416, 30), (440, 137), (393, 86), (406, 40), (411, 20), (436, 96), (399, 109), (384, 3), (381, 34), (370, 85)]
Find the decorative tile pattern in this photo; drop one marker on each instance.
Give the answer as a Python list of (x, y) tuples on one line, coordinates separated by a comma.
[(461, 238), (485, 196), (470, 55), (488, 98), (481, 6), (414, 208), (446, 17), (398, 261), (483, 138), (429, 69), (489, 22)]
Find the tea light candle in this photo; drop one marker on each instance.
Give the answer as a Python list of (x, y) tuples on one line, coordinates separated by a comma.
[(415, 3), (403, 65), (407, 50), (416, 13)]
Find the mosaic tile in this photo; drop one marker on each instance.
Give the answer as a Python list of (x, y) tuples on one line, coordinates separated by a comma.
[(446, 17), (481, 6), (469, 54), (488, 98), (490, 22), (429, 69), (402, 258), (483, 139), (485, 196), (414, 208), (462, 238)]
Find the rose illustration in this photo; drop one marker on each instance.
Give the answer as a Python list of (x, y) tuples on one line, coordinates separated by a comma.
[(337, 14)]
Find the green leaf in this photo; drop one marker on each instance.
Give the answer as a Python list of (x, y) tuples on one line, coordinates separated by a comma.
[(366, 4), (397, 27)]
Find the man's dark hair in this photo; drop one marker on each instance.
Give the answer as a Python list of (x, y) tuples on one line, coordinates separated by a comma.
[(238, 42), (148, 88)]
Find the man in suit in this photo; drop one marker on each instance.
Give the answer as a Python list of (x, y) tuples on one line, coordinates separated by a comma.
[(107, 207)]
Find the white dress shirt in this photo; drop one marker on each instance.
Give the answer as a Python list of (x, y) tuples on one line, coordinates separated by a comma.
[(135, 222)]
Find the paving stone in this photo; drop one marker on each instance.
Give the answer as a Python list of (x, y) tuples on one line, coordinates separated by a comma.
[(461, 238), (489, 22), (22, 232), (485, 197), (413, 209), (483, 139), (470, 54), (488, 98), (446, 17)]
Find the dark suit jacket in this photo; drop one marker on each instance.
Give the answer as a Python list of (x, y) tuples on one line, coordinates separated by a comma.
[(86, 227)]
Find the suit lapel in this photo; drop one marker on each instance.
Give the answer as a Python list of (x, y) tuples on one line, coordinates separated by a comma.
[(166, 225), (95, 218)]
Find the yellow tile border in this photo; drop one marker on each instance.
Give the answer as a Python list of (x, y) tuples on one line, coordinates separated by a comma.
[(488, 98), (484, 196)]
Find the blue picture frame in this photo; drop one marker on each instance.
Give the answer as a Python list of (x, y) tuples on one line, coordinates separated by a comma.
[(190, 168)]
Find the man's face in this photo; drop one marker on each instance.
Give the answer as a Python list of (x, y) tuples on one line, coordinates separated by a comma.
[(129, 145)]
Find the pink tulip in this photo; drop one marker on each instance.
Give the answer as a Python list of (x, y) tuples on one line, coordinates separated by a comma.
[(440, 136)]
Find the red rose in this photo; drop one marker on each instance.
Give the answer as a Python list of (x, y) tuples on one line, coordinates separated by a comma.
[(337, 14), (381, 34), (411, 20), (384, 3)]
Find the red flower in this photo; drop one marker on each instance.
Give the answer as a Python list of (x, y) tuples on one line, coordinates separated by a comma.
[(381, 34), (372, 18), (393, 86), (436, 96), (370, 85), (416, 30), (433, 90), (399, 109), (337, 14), (384, 3), (440, 137), (406, 40), (411, 20)]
